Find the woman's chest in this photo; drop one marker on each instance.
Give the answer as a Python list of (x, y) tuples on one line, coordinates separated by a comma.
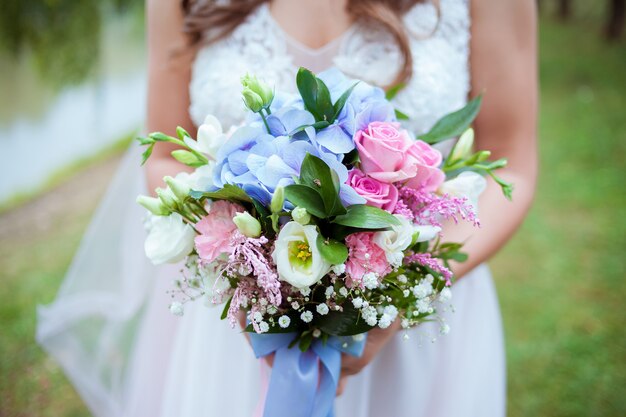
[(439, 83)]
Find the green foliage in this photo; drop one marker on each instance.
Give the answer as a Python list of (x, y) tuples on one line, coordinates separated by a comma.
[(316, 97), (317, 175), (307, 197), (366, 217), (345, 323), (63, 35), (454, 123), (229, 192), (333, 251)]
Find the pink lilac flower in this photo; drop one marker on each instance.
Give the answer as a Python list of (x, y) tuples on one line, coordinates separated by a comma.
[(430, 208), (364, 256), (426, 259), (216, 230), (250, 255)]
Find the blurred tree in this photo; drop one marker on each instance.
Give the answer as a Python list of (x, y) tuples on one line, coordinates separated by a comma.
[(565, 9), (63, 35), (615, 21)]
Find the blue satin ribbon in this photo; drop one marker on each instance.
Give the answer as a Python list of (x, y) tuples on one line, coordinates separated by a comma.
[(297, 388)]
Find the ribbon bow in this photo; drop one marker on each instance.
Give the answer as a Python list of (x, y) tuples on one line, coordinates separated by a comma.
[(298, 386)]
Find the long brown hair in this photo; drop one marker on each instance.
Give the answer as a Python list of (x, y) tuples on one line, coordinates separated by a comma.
[(223, 17)]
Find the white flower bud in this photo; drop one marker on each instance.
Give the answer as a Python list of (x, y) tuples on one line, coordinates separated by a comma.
[(300, 215), (247, 224), (252, 100), (463, 146), (278, 200), (153, 205), (167, 197), (179, 189)]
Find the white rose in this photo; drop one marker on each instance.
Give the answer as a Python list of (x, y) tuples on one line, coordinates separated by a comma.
[(210, 137), (170, 239), (396, 240), (296, 256), (467, 184)]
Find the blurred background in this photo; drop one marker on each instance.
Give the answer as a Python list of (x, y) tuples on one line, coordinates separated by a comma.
[(72, 77)]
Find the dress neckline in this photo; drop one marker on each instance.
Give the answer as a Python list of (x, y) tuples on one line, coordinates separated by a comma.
[(333, 45)]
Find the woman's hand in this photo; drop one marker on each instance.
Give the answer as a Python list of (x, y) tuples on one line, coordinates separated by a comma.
[(377, 338)]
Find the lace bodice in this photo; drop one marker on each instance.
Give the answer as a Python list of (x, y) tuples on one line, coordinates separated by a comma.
[(439, 46)]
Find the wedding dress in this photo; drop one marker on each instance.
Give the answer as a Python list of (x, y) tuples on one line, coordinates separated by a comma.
[(110, 328)]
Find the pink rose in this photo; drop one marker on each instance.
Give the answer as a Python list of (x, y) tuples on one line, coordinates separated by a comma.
[(378, 194), (216, 230), (388, 154), (364, 256), (429, 177), (383, 149)]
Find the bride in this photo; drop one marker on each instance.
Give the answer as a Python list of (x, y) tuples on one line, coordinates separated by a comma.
[(110, 328)]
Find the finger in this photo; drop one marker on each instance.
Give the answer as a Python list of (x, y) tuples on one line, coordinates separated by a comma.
[(269, 359), (341, 386)]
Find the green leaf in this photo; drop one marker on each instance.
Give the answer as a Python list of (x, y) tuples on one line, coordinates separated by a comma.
[(315, 95), (307, 197), (334, 252), (145, 141), (317, 126), (317, 175), (343, 323), (400, 115), (351, 158), (181, 133), (146, 154), (307, 86), (393, 91), (226, 307), (187, 158), (341, 101), (229, 192), (324, 103), (454, 123), (305, 341), (366, 217), (161, 137)]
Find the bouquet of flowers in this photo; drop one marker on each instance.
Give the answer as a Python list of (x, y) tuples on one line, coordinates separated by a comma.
[(318, 219)]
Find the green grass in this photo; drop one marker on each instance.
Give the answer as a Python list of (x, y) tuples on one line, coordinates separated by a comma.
[(560, 280)]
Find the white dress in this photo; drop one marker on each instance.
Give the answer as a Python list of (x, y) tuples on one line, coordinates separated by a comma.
[(127, 355)]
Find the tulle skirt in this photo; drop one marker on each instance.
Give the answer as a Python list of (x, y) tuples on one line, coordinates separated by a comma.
[(111, 331)]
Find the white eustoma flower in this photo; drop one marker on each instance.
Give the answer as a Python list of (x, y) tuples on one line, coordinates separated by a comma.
[(201, 179), (466, 184), (396, 240), (425, 232), (210, 139), (170, 239), (297, 259)]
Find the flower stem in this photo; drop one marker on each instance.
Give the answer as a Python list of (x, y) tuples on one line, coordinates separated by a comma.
[(265, 121)]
